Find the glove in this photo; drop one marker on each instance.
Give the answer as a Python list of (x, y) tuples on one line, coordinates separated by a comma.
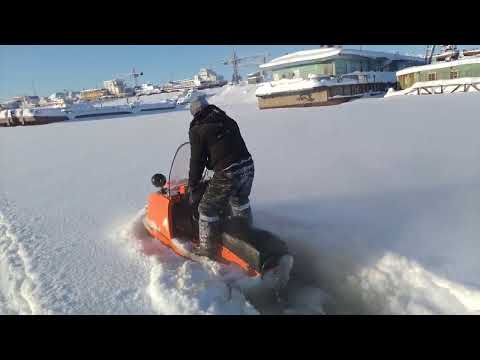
[(194, 197)]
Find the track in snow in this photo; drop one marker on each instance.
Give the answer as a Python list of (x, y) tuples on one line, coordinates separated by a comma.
[(181, 286), (379, 200), (17, 284)]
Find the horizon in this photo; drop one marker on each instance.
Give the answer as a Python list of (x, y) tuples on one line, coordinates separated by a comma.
[(43, 69)]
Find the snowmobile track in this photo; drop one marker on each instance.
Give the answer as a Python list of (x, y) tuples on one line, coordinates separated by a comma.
[(16, 282)]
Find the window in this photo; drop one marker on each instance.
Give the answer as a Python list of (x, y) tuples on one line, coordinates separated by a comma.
[(432, 76), (454, 74)]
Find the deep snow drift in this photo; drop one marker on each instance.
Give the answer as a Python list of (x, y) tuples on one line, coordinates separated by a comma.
[(378, 199)]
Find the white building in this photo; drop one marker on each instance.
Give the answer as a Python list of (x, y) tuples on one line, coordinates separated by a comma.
[(255, 78), (177, 85), (57, 96), (147, 89), (207, 75), (115, 87), (29, 101), (73, 95), (44, 101), (12, 104), (204, 79), (208, 78)]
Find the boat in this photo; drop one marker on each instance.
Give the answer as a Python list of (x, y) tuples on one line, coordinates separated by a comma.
[(31, 116), (86, 110), (63, 112), (162, 105)]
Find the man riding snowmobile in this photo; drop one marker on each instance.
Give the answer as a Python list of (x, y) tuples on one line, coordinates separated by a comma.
[(216, 143)]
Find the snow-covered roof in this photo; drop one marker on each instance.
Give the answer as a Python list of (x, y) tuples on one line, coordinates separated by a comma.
[(308, 56), (440, 65)]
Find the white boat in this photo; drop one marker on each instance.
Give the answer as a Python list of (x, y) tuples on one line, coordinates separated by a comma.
[(45, 115), (31, 116), (85, 110), (162, 105)]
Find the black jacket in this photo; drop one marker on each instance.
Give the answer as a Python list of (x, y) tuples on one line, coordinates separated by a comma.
[(215, 143)]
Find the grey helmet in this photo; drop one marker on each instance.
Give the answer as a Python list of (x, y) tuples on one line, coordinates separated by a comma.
[(198, 103)]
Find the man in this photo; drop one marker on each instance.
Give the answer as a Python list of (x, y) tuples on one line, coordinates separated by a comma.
[(216, 143)]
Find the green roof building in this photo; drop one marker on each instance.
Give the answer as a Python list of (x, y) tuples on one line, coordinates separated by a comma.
[(335, 62)]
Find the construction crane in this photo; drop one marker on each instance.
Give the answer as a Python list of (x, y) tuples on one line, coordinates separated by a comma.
[(132, 75), (447, 53), (237, 62), (429, 51)]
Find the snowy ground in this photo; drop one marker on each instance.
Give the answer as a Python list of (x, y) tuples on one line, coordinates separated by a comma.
[(378, 199)]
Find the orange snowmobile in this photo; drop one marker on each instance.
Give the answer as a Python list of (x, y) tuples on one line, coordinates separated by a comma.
[(170, 219)]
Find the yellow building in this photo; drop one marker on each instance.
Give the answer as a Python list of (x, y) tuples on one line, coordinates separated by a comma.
[(93, 94)]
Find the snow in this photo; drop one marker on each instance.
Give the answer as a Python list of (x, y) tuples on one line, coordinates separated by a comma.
[(176, 286), (377, 199), (234, 95), (287, 85), (410, 289), (447, 86)]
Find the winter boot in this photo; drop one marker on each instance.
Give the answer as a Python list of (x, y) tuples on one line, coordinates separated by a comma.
[(209, 237), (242, 212)]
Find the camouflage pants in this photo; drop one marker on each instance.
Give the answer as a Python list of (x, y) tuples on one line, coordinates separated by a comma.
[(228, 190)]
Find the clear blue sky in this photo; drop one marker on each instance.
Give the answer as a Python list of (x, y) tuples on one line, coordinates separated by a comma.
[(74, 67)]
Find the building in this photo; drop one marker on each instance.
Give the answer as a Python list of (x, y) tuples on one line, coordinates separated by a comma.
[(93, 94), (60, 98), (15, 103), (73, 95), (129, 91), (147, 89), (179, 85), (448, 71), (115, 87), (336, 61), (328, 76), (57, 96), (462, 68), (44, 101), (29, 101), (255, 78), (206, 78)]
